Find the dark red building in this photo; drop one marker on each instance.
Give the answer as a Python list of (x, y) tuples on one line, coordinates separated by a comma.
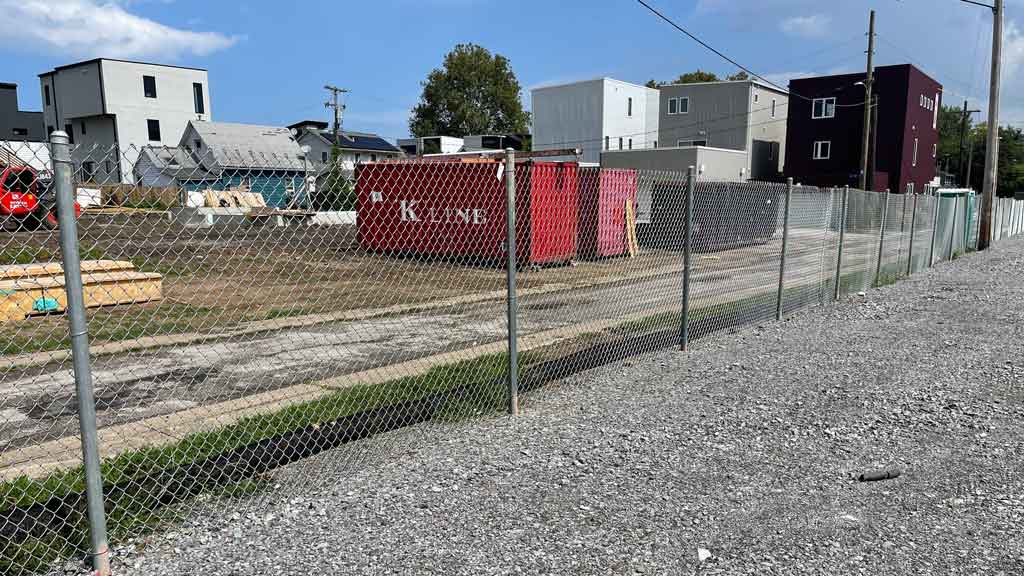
[(824, 130)]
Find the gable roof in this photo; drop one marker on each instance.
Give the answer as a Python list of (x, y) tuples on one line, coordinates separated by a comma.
[(359, 141), (247, 146), (174, 162)]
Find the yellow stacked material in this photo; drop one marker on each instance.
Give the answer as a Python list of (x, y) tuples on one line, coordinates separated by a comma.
[(38, 288)]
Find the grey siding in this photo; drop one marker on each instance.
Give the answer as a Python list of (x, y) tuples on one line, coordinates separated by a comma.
[(11, 118), (717, 113)]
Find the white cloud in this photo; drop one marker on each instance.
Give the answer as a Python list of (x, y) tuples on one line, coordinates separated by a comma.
[(86, 28), (813, 26)]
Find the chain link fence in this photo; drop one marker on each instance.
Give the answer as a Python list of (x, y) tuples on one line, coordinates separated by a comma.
[(246, 309)]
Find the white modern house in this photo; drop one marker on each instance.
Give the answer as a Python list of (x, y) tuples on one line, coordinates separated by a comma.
[(355, 147), (431, 145), (595, 115), (106, 104)]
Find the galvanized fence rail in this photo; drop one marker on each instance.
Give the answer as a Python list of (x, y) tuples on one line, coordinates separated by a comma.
[(213, 315)]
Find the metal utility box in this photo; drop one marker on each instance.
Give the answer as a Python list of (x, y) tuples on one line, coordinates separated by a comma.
[(457, 209), (603, 195)]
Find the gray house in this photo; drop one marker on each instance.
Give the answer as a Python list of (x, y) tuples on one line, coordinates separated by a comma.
[(356, 147), (17, 124), (746, 115)]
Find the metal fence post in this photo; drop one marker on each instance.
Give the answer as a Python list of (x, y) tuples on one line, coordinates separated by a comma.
[(910, 247), (79, 332), (785, 244), (684, 328), (511, 264), (881, 239), (842, 239), (935, 227), (952, 228)]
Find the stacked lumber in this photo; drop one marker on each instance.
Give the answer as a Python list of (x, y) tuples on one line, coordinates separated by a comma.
[(31, 289), (233, 199)]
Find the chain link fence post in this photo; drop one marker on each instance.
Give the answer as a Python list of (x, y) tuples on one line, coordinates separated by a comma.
[(785, 244), (512, 263), (910, 247), (79, 334), (684, 329), (903, 228), (842, 238), (881, 239)]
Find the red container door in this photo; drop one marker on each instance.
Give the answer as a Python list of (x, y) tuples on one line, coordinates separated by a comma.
[(449, 209), (617, 187), (553, 206)]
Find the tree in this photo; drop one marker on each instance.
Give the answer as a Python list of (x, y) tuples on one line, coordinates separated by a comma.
[(1011, 159), (741, 75), (949, 140), (474, 92), (334, 188), (688, 78)]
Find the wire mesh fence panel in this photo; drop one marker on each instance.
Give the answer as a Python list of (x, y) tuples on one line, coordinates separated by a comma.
[(894, 247), (236, 328), (628, 297), (32, 281), (805, 282), (860, 242), (922, 232), (737, 244)]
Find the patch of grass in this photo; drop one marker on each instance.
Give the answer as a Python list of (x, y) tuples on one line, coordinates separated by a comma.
[(27, 255), (39, 334)]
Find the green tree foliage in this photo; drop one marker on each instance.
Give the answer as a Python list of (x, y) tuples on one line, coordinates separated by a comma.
[(741, 75), (1011, 159), (474, 92), (334, 188), (690, 78), (948, 153)]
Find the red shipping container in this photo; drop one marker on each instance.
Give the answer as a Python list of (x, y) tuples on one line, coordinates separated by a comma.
[(458, 209), (603, 194)]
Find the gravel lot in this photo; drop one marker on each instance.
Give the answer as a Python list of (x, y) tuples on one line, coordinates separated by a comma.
[(737, 458)]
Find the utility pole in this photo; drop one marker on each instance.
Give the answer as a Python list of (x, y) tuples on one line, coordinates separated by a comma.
[(338, 108), (964, 120), (867, 104), (988, 190)]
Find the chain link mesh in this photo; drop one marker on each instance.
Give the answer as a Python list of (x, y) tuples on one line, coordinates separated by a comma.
[(248, 309)]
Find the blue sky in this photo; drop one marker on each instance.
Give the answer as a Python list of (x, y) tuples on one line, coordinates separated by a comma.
[(268, 61)]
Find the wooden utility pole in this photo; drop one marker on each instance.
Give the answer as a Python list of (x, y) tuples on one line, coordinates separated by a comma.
[(338, 108), (868, 81), (988, 191)]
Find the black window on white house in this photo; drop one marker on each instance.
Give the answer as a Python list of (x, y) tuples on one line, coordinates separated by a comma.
[(773, 107), (629, 107), (620, 142), (607, 145), (81, 125), (71, 133), (325, 157), (46, 94), (823, 108), (153, 127), (88, 171), (149, 86), (822, 149), (197, 96)]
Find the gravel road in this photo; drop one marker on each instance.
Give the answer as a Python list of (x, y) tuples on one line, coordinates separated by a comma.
[(736, 458)]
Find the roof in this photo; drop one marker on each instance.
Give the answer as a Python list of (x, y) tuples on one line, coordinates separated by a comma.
[(17, 153), (318, 124), (174, 162), (359, 141), (860, 75), (8, 85), (591, 80), (249, 146), (96, 60), (753, 81)]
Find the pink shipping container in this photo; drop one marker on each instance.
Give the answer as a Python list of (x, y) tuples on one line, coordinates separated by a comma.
[(457, 209), (603, 194)]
